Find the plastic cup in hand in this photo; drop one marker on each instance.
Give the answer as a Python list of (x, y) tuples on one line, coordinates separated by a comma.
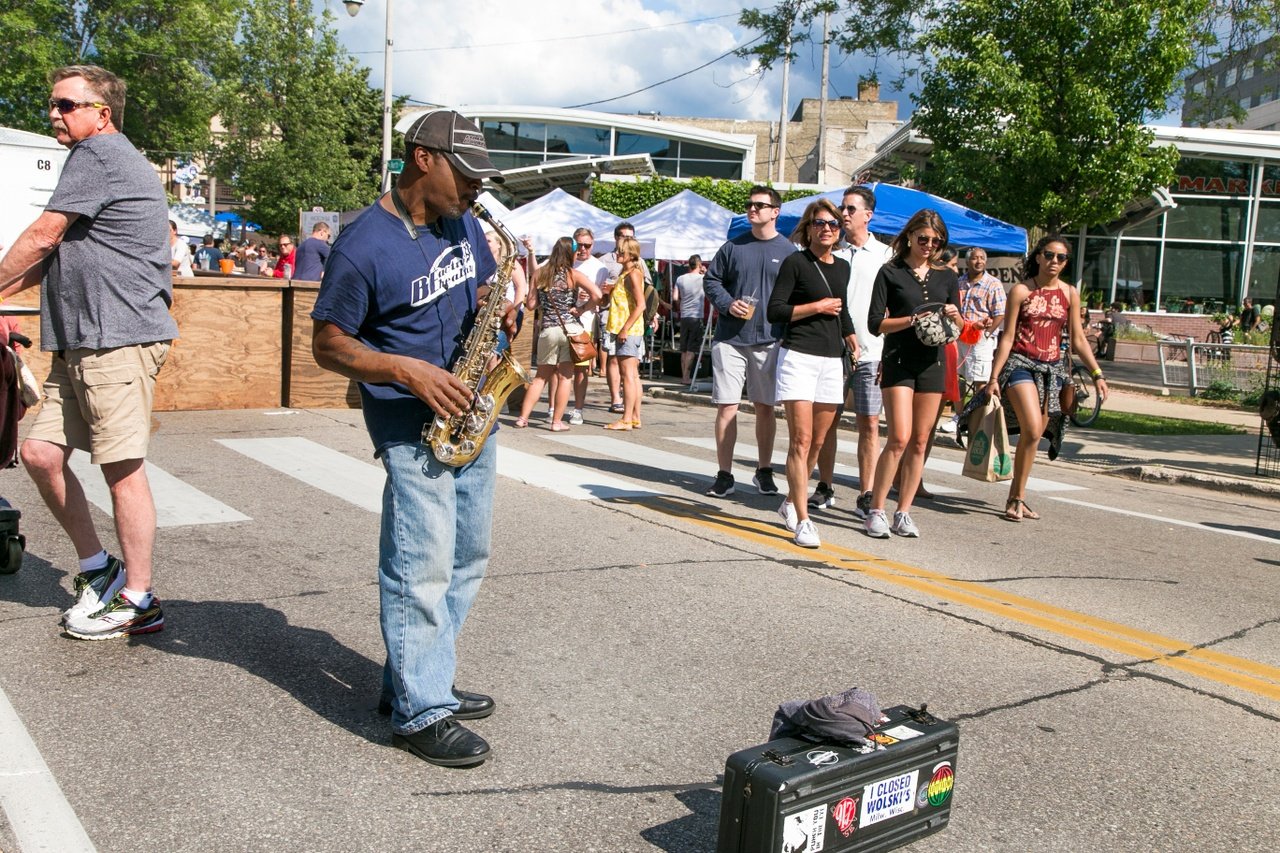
[(750, 310)]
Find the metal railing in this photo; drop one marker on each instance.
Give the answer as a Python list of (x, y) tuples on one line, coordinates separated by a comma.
[(1196, 366)]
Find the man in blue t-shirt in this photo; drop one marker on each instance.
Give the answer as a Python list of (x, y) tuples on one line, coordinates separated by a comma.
[(398, 298), (313, 253), (744, 352), (208, 255)]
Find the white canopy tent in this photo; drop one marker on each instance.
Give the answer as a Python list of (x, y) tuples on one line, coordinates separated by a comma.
[(685, 224), (558, 214), (195, 221)]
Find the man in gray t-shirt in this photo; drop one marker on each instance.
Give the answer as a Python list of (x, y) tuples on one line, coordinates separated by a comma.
[(102, 249), (689, 296)]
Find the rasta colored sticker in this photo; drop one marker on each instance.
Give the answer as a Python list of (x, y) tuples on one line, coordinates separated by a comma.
[(941, 783)]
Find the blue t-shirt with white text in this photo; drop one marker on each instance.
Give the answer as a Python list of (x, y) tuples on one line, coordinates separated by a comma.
[(406, 297)]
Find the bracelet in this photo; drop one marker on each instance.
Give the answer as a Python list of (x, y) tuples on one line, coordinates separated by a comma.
[(1097, 373)]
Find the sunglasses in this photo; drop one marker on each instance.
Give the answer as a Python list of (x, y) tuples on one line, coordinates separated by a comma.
[(759, 205), (1055, 256), (582, 246), (825, 223), (66, 105), (851, 210), (929, 241)]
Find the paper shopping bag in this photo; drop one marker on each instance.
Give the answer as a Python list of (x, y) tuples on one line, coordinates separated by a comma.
[(988, 458)]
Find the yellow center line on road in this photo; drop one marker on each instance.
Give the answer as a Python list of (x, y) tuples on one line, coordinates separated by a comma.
[(1250, 675)]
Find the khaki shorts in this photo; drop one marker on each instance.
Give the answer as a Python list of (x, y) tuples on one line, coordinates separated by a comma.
[(100, 401)]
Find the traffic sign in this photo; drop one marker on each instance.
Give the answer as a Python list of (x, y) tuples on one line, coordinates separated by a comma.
[(395, 167)]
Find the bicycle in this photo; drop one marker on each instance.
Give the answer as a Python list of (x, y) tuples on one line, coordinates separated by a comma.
[(1088, 400)]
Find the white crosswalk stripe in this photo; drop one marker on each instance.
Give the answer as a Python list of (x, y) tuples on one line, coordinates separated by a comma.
[(177, 503), (320, 467)]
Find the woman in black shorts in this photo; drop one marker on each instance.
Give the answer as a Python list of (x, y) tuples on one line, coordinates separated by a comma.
[(913, 374)]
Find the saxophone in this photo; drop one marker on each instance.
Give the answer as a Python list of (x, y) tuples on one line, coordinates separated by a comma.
[(491, 377)]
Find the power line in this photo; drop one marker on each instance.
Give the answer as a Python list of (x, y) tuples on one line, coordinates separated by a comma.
[(730, 52), (526, 42)]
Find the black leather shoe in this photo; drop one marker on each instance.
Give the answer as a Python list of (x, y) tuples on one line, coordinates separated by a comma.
[(471, 706), (447, 743)]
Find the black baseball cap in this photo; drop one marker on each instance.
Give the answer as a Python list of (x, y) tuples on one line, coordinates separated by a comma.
[(458, 138)]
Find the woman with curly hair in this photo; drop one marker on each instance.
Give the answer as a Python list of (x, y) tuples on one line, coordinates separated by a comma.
[(1028, 366)]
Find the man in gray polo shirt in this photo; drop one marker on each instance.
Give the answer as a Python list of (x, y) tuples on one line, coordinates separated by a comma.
[(101, 247)]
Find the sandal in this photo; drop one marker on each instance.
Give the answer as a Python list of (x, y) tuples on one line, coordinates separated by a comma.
[(625, 425), (616, 408), (1028, 512), (1013, 510), (559, 426), (635, 425), (520, 423)]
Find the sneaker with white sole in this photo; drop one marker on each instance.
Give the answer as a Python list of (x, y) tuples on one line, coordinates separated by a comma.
[(763, 481), (576, 417), (862, 506), (95, 588), (807, 535), (876, 524), (823, 497), (722, 487), (118, 618), (789, 517), (949, 426), (904, 526)]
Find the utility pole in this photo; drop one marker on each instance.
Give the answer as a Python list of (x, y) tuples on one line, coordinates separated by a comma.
[(822, 100), (782, 129)]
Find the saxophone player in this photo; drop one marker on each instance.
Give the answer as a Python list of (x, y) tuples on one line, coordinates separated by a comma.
[(398, 298)]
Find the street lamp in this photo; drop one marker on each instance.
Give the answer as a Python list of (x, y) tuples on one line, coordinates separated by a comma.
[(353, 9)]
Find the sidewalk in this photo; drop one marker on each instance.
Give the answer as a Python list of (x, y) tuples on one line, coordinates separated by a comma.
[(1221, 462)]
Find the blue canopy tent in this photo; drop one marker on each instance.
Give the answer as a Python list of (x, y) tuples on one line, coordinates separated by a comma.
[(895, 205)]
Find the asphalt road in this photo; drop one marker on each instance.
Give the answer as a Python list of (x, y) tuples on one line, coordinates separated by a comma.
[(1114, 668)]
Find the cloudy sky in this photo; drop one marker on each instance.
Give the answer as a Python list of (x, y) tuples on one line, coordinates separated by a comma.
[(567, 54)]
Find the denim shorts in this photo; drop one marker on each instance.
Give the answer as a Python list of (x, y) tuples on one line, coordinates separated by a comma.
[(1019, 376)]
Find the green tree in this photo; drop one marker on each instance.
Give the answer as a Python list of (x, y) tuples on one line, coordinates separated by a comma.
[(303, 128), (163, 49), (1036, 108)]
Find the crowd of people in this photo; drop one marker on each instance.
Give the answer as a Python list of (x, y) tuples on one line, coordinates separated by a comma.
[(282, 259), (826, 317)]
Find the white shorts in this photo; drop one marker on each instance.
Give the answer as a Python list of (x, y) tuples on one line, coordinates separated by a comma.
[(818, 378), (975, 361), (733, 366)]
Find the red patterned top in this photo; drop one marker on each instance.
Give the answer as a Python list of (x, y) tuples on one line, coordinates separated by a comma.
[(1043, 315)]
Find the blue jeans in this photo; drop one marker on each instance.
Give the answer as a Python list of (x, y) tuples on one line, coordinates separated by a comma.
[(432, 554)]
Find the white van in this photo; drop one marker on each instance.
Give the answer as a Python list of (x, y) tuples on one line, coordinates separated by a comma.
[(30, 165)]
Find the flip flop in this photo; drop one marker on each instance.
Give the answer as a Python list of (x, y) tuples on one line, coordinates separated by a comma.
[(1027, 512), (520, 423), (1013, 510), (622, 425), (635, 425)]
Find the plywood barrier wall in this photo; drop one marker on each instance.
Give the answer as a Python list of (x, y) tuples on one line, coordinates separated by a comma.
[(228, 354), (244, 343), (307, 384)]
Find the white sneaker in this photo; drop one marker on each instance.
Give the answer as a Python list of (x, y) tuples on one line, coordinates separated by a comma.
[(876, 524), (904, 526), (807, 535), (576, 417), (788, 513), (948, 426), (95, 588)]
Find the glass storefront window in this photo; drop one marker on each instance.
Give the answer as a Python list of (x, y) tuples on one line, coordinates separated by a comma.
[(729, 171), (1264, 277), (513, 160), (636, 143), (1206, 219), (1095, 270), (583, 141), (694, 151), (1197, 273), (667, 166), (1268, 222), (515, 135), (1200, 176)]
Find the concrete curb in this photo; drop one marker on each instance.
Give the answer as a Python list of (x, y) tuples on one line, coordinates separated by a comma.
[(1182, 477)]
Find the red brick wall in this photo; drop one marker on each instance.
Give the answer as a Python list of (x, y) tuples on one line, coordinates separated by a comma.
[(1182, 325)]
